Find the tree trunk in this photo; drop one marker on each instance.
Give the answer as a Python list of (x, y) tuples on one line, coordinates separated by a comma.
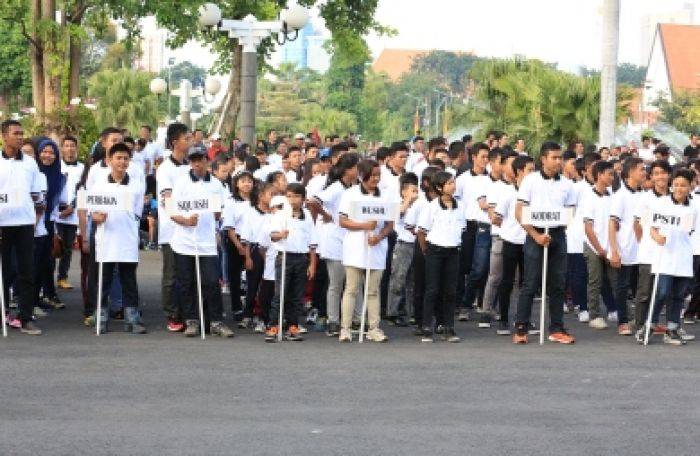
[(74, 61), (226, 123), (608, 74), (52, 74), (36, 59)]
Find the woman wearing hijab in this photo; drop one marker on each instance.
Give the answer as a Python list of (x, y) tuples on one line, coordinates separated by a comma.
[(56, 196)]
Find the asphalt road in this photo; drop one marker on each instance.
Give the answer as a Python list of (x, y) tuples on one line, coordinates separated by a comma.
[(69, 392)]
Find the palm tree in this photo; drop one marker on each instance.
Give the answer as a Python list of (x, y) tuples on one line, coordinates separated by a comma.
[(611, 36)]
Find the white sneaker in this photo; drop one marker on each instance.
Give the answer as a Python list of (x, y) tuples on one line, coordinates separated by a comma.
[(612, 316), (598, 323), (259, 327), (584, 316), (345, 335), (225, 289), (684, 335), (39, 312), (376, 335), (302, 330)]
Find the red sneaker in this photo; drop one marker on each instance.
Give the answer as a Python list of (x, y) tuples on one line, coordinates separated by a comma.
[(175, 326), (658, 329), (562, 337)]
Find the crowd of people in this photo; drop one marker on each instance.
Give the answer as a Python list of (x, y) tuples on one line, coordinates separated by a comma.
[(283, 234)]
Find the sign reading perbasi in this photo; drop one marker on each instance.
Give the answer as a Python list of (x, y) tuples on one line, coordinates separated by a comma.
[(368, 210)]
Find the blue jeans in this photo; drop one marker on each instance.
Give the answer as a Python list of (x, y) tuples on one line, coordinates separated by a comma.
[(476, 279), (675, 288), (576, 279)]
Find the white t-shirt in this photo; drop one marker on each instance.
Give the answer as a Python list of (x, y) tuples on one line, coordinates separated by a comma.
[(511, 230), (72, 173), (574, 232), (623, 208), (389, 184), (675, 258), (356, 250), (40, 227), (117, 239), (442, 225), (24, 180), (234, 214), (100, 170), (403, 232), (648, 250), (471, 187), (302, 235), (169, 172), (200, 239), (542, 193), (595, 209), (493, 192), (695, 237), (331, 246)]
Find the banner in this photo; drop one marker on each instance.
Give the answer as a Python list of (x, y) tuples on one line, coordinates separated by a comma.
[(681, 221), (193, 205), (546, 219), (105, 200), (374, 210)]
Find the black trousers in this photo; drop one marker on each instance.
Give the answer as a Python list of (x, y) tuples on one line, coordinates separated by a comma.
[(235, 268), (127, 278), (512, 258), (253, 278), (466, 255), (294, 284), (20, 241), (386, 275), (211, 292), (318, 295), (67, 233), (267, 292), (441, 269), (418, 283), (694, 306)]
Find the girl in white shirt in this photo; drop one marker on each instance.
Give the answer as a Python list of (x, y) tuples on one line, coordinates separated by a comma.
[(357, 258), (440, 226)]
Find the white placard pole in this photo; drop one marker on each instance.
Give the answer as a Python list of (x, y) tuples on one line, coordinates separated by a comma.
[(652, 301), (202, 329), (543, 301), (99, 232), (285, 212), (2, 303), (282, 285), (366, 291)]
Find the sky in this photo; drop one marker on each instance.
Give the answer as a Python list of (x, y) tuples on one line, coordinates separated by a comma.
[(564, 31)]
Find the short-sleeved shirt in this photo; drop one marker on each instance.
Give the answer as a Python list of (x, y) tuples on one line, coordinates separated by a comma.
[(471, 187), (622, 209), (443, 225), (302, 235), (493, 191), (511, 230), (331, 245), (574, 232), (356, 251), (595, 209), (169, 172), (25, 181), (648, 249), (544, 193), (675, 257)]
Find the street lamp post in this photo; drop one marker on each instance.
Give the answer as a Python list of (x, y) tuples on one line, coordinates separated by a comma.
[(250, 32)]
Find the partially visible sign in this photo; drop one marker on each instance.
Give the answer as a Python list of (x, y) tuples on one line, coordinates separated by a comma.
[(546, 219), (105, 200), (10, 199), (674, 221), (374, 210)]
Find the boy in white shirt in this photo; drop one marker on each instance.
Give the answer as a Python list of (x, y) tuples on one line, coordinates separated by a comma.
[(595, 211), (117, 238), (196, 235)]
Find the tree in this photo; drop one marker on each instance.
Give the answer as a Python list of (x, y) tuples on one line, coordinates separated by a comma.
[(16, 80), (124, 99), (452, 67), (682, 111), (627, 74)]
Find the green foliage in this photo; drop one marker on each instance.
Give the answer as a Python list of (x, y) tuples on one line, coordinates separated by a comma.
[(682, 112), (451, 67), (124, 99), (15, 79), (627, 73)]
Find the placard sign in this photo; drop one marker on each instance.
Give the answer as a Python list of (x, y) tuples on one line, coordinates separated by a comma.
[(678, 221), (198, 204), (546, 218), (374, 210), (105, 200)]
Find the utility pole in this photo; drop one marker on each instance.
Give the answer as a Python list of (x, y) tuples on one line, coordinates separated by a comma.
[(608, 74)]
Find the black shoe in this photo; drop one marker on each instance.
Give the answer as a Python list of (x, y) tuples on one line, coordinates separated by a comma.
[(672, 337), (440, 329), (401, 322), (427, 336), (333, 330), (503, 328), (117, 315), (485, 320)]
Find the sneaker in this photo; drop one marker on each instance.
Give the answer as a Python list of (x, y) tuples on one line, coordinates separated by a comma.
[(598, 323), (271, 334), (463, 315), (659, 329), (117, 315), (427, 336), (191, 328), (685, 336), (639, 335), (624, 330), (225, 289), (612, 316), (531, 330), (333, 329), (689, 319), (39, 312), (302, 329), (672, 337), (450, 336), (218, 328), (503, 328), (30, 329), (64, 284), (89, 321), (418, 332), (135, 328), (259, 327), (175, 326), (561, 337), (245, 323), (520, 337), (294, 333), (312, 317), (485, 321), (13, 322), (55, 303), (377, 335), (345, 335), (440, 329), (584, 316)]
